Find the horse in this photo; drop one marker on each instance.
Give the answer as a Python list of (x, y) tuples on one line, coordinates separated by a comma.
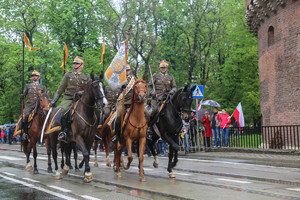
[(135, 128), (84, 123), (169, 124), (34, 132)]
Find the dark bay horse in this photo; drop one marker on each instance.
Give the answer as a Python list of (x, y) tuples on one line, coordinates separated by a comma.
[(170, 123), (84, 123), (135, 128), (34, 131)]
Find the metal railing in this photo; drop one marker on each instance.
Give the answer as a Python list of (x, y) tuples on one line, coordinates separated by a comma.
[(259, 137)]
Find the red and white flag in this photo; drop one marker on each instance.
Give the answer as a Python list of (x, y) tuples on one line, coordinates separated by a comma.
[(238, 115), (199, 105)]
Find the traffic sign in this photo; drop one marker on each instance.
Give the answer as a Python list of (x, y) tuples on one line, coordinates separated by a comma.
[(198, 92)]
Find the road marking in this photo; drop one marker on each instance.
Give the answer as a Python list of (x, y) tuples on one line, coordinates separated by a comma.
[(89, 197), (38, 188), (294, 189), (183, 174), (146, 169), (59, 188), (10, 158), (29, 179), (231, 180), (10, 174)]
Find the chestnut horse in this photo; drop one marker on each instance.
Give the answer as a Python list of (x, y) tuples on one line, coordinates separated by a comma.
[(135, 128), (34, 132)]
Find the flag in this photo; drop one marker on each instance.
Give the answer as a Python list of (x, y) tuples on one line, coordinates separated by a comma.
[(199, 105), (66, 55), (238, 115), (28, 44), (103, 51), (115, 74)]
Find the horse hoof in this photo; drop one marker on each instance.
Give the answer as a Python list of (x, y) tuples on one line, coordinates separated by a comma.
[(143, 179), (28, 168), (155, 164), (108, 164), (35, 171), (88, 177), (96, 164), (58, 176), (126, 168), (115, 168), (77, 170), (172, 175), (65, 170), (119, 175), (49, 171)]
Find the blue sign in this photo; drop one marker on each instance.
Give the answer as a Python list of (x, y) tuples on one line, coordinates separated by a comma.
[(198, 92)]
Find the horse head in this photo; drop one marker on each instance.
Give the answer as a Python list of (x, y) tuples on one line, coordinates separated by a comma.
[(184, 99), (44, 101), (97, 90), (140, 90)]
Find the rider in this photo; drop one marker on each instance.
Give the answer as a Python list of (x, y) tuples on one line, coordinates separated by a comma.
[(164, 84), (73, 82), (31, 90), (111, 96)]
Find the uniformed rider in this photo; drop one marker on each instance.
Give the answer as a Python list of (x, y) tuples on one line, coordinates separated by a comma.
[(30, 91), (73, 82), (111, 96), (163, 84)]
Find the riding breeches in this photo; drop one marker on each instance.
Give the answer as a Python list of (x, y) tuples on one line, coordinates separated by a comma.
[(29, 106), (65, 105)]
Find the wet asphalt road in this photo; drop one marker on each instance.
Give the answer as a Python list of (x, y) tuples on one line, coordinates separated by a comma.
[(196, 178)]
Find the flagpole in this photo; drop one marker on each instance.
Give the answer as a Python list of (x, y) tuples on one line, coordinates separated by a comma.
[(23, 79), (64, 61), (197, 138)]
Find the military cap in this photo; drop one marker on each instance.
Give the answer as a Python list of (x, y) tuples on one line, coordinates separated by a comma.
[(35, 73), (78, 59), (163, 63), (128, 67)]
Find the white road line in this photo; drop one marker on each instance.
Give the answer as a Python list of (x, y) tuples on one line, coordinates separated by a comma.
[(38, 188), (294, 189), (10, 158), (29, 179), (231, 180), (146, 169), (10, 174), (59, 188), (184, 174), (89, 197)]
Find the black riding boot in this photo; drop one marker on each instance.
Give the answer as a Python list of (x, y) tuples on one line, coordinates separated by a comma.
[(117, 133), (25, 129), (64, 129)]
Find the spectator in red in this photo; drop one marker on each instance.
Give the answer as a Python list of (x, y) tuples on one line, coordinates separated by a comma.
[(2, 135), (224, 126), (207, 134)]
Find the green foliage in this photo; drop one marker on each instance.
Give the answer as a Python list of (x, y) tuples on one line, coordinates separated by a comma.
[(203, 38)]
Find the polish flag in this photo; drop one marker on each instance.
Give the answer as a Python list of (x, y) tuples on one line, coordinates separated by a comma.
[(238, 115), (199, 105)]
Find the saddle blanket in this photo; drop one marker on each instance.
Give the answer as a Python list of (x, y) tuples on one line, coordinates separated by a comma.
[(53, 123)]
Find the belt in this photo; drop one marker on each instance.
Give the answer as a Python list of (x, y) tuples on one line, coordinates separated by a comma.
[(33, 98), (74, 90), (113, 101)]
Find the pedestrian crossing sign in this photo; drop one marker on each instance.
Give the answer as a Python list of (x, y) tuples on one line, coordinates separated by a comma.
[(198, 92)]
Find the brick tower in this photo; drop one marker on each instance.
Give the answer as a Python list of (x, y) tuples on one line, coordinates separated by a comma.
[(276, 23)]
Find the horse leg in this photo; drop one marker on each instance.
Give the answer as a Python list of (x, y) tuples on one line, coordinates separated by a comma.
[(141, 150), (95, 145), (151, 147), (54, 156), (87, 174), (27, 151), (75, 158), (106, 144), (62, 150), (171, 154), (35, 170), (118, 158), (49, 170), (129, 148), (66, 167)]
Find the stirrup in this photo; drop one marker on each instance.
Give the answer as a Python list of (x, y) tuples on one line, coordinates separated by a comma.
[(62, 136), (115, 139), (24, 137), (98, 138)]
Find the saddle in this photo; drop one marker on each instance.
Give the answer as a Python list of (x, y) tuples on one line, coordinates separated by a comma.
[(19, 128)]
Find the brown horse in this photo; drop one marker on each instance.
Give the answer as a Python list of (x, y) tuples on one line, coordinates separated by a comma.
[(84, 122), (35, 130), (135, 128)]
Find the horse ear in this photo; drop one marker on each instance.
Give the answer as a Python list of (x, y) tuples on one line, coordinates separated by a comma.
[(48, 92), (92, 75), (144, 77), (185, 88), (193, 88), (101, 75)]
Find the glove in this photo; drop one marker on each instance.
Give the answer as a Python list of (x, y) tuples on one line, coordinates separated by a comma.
[(22, 96), (123, 87), (153, 94), (54, 100), (171, 92)]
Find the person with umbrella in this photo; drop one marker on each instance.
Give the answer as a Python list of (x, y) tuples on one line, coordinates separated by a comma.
[(207, 134), (215, 128)]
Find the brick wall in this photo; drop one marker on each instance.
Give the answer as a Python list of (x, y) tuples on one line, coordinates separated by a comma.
[(279, 65)]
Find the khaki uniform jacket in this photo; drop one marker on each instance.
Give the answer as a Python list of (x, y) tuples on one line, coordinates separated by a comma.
[(164, 83), (72, 82), (30, 91), (112, 95)]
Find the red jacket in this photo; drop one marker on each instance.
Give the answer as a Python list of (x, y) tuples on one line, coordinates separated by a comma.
[(225, 120), (2, 134), (206, 124)]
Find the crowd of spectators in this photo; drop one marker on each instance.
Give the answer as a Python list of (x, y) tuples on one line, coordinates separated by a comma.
[(7, 135)]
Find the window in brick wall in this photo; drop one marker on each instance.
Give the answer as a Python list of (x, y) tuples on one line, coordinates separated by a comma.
[(271, 36)]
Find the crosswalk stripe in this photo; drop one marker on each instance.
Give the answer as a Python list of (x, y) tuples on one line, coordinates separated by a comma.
[(294, 189), (59, 188), (10, 174), (10, 158), (231, 180), (89, 197), (29, 179)]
